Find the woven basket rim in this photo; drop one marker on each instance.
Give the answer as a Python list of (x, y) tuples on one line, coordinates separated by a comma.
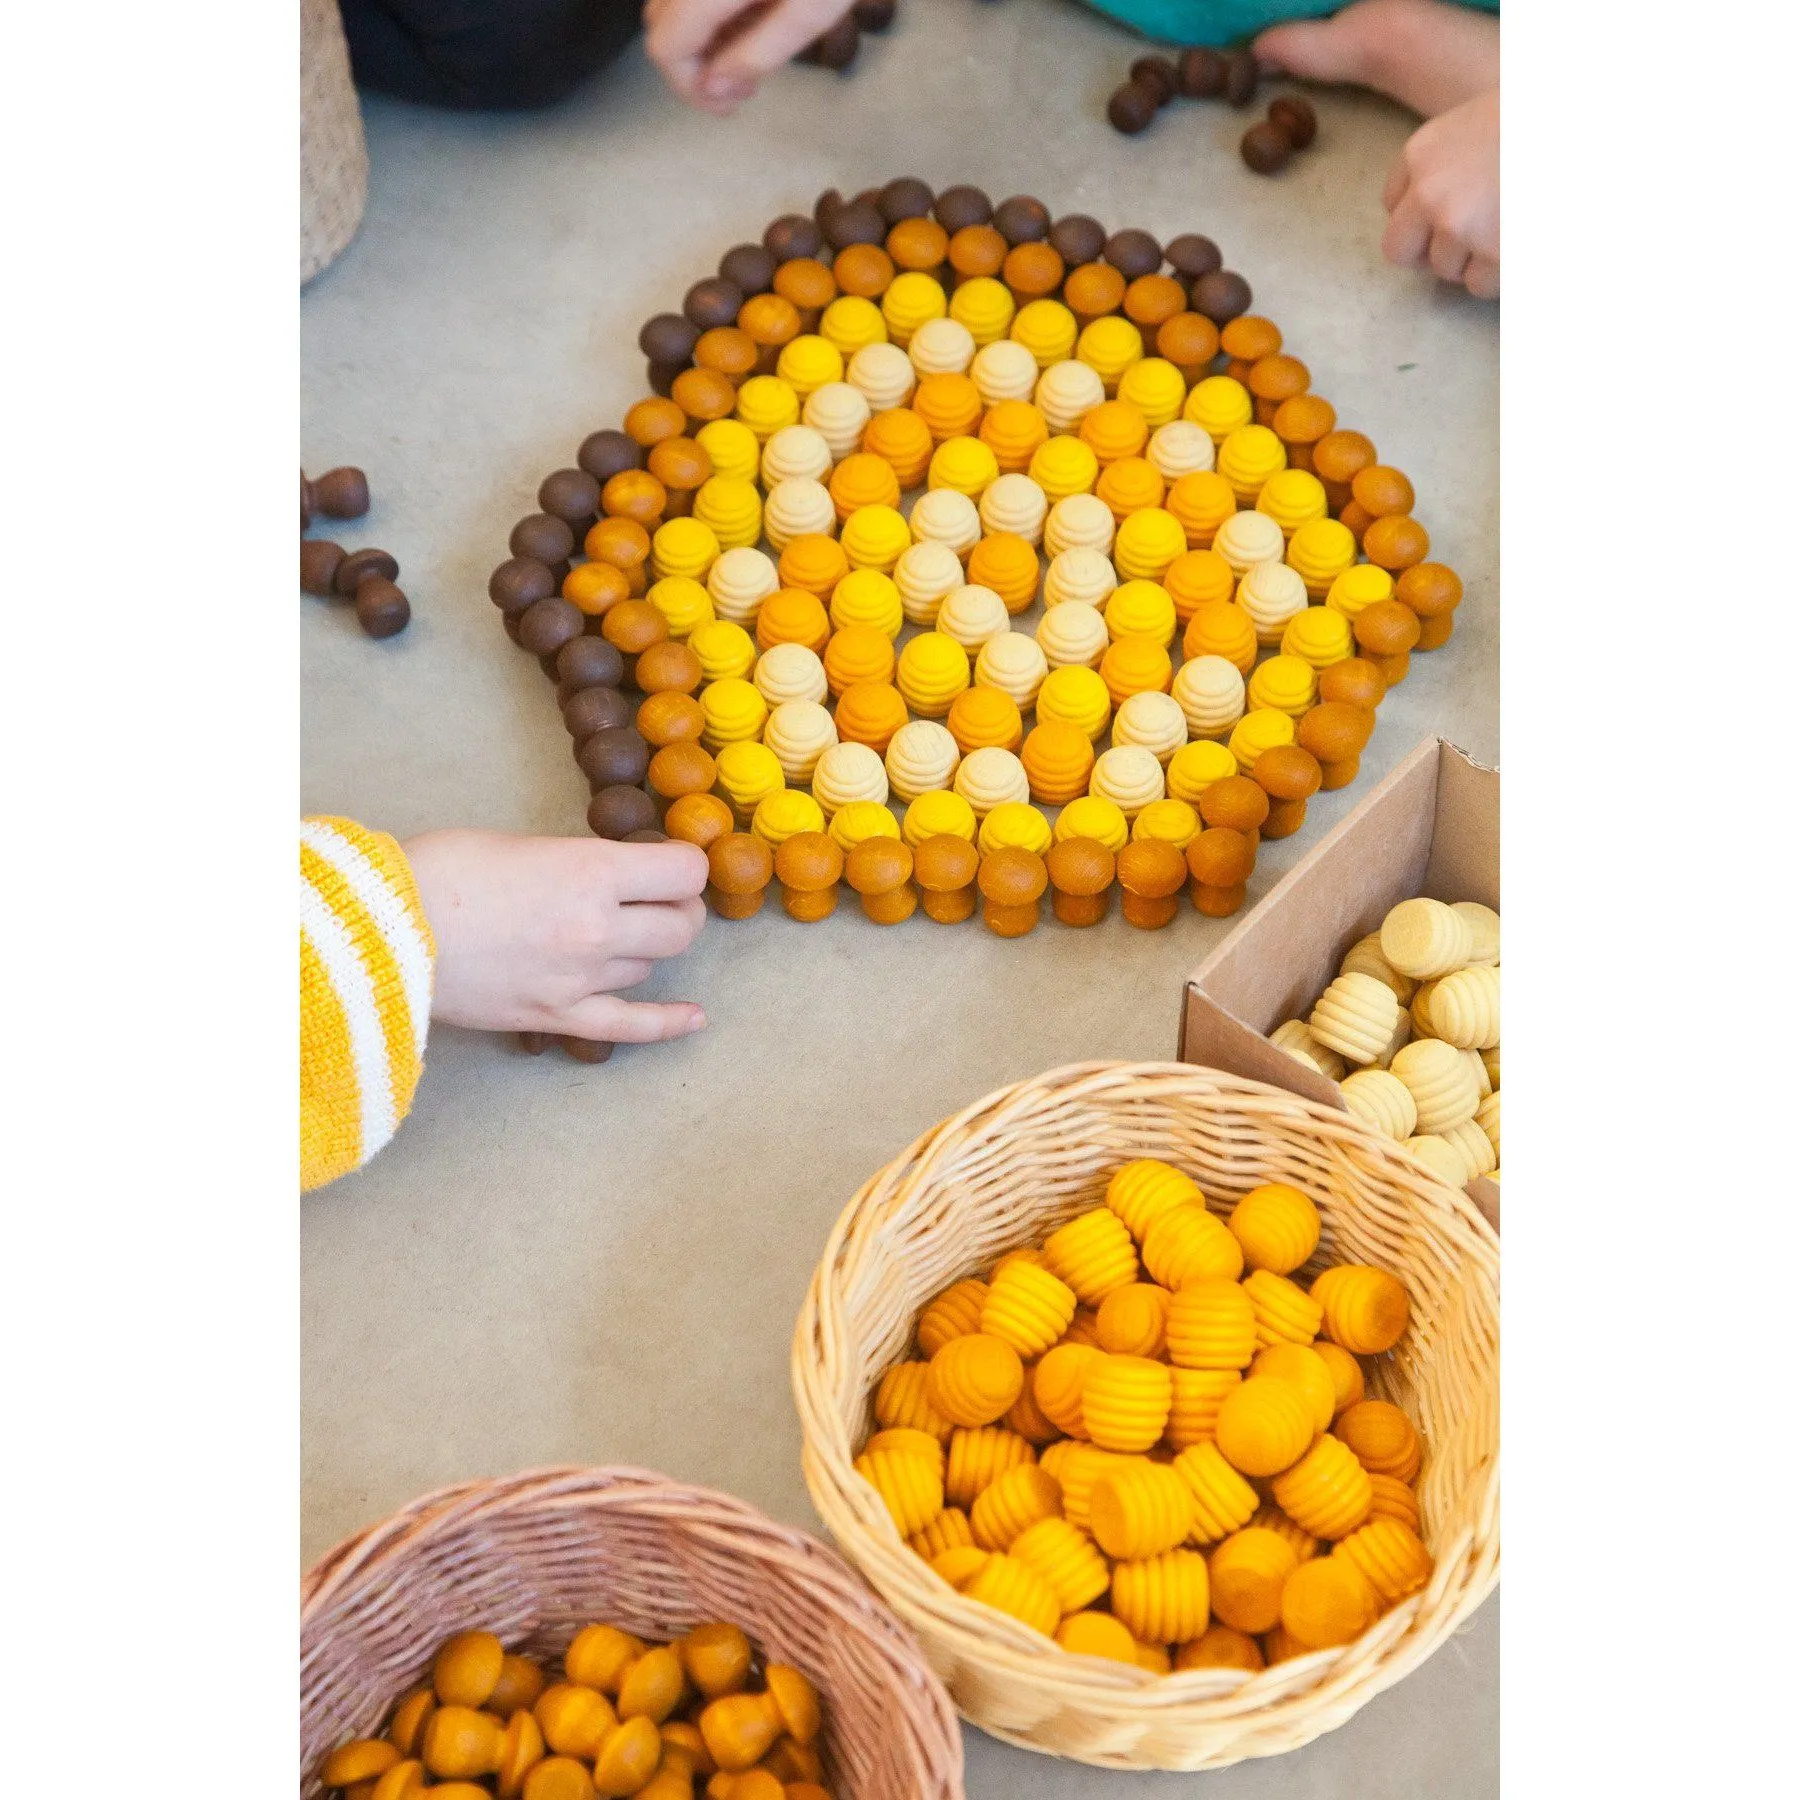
[(828, 1576), (1328, 1684)]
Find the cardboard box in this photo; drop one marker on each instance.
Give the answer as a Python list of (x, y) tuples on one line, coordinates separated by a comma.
[(1432, 827)]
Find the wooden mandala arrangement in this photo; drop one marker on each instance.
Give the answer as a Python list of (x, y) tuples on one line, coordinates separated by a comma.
[(792, 608)]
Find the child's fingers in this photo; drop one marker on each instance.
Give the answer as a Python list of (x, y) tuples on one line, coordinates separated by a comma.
[(1398, 181), (671, 871), (1408, 234), (1448, 256), (622, 972), (1482, 277), (779, 35), (678, 33), (656, 928), (608, 1019)]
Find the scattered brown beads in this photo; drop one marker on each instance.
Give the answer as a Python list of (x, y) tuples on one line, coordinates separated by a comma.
[(618, 1716), (363, 577)]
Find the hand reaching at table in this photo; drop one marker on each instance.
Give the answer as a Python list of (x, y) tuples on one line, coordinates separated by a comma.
[(714, 53)]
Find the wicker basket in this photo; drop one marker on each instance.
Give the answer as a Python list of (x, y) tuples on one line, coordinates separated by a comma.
[(334, 161), (1010, 1168), (536, 1556)]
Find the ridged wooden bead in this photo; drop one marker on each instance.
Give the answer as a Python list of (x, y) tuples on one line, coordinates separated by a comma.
[(1223, 1500), (1093, 1253), (1012, 1503), (1264, 1426), (907, 1440), (974, 1379), (1162, 1599), (960, 1564), (1472, 1144), (910, 1487), (1293, 1037), (1252, 540), (1073, 636), (1028, 1309), (950, 1530), (1382, 1438), (1382, 1100), (1188, 1244), (1141, 1191), (1211, 1324), (926, 572), (1027, 1418), (1179, 448), (1002, 370), (1132, 1319), (1080, 522), (978, 1456), (795, 452), (1391, 1498), (1391, 1558), (1014, 664), (1424, 938), (1080, 575), (1277, 1227), (1327, 1491), (1270, 594), (883, 374), (1077, 1465), (1211, 694), (1125, 1402), (1465, 1008), (1484, 930), (1443, 1086), (1247, 1572), (956, 1312), (1151, 720), (1067, 391), (1285, 1313), (1139, 1511), (1065, 1556), (1196, 1395), (1355, 1016), (1014, 1587), (1057, 1382), (1305, 1369), (1327, 1602), (1444, 1159), (903, 1398), (1097, 1634)]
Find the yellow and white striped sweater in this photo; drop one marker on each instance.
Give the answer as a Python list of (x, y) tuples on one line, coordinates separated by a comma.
[(366, 956)]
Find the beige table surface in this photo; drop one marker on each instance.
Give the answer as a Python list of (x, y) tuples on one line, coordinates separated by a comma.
[(561, 1263)]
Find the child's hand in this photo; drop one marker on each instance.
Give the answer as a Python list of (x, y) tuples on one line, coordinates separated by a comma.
[(1443, 197), (714, 52), (533, 933)]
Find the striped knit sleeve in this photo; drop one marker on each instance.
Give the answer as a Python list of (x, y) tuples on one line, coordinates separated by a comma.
[(365, 995)]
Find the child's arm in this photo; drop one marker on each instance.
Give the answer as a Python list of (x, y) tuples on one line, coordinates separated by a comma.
[(366, 955), (714, 52), (475, 928)]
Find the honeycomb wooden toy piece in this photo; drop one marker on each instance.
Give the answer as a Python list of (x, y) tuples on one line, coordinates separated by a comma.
[(863, 456)]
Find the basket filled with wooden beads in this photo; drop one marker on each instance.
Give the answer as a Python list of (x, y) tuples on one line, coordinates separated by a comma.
[(538, 1568), (919, 460), (1163, 1406)]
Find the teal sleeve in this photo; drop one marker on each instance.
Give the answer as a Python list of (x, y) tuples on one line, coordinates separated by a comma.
[(1224, 21)]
